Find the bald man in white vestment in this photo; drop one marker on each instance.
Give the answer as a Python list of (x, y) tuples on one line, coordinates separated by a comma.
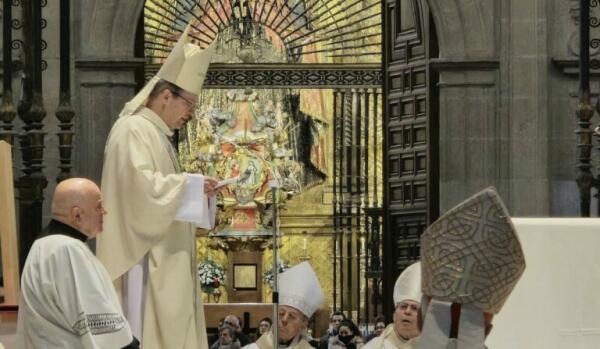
[(471, 260), (149, 248), (67, 297), (300, 295), (404, 331)]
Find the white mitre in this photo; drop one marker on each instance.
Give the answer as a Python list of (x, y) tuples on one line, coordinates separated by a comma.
[(299, 288), (408, 284), (185, 67)]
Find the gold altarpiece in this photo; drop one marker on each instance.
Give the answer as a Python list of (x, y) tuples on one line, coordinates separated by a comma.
[(287, 133)]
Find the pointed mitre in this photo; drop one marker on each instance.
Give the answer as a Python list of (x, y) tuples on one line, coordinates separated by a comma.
[(299, 288), (408, 284), (472, 255), (185, 67)]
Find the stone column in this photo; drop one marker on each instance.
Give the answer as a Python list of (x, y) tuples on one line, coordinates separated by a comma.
[(105, 67), (493, 101)]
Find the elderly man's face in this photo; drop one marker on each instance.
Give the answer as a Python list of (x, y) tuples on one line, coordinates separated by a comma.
[(232, 322), (225, 336), (90, 214), (405, 319), (291, 323)]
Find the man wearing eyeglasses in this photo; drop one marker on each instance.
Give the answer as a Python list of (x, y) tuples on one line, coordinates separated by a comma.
[(404, 331), (149, 249)]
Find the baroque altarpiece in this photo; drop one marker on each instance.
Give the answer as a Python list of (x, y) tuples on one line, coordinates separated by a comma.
[(293, 94)]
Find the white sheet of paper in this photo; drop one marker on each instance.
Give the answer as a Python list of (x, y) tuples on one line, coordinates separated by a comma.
[(194, 205)]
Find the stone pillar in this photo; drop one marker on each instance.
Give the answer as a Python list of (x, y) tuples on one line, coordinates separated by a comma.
[(493, 101), (105, 66), (524, 103), (470, 134)]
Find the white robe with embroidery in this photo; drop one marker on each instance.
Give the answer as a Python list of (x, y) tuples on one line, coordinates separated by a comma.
[(143, 191), (389, 340), (266, 342), (68, 300)]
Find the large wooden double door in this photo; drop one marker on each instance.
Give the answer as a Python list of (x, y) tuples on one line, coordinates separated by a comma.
[(410, 123)]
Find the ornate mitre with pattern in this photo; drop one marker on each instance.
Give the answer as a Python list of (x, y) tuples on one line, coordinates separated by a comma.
[(470, 256), (185, 67)]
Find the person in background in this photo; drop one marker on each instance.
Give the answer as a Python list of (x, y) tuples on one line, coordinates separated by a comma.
[(378, 330), (214, 337), (334, 322), (227, 339), (348, 337), (264, 325), (236, 324)]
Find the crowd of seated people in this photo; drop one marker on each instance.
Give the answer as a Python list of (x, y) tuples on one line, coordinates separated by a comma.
[(342, 333)]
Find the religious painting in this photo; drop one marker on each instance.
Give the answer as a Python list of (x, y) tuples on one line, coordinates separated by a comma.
[(244, 277)]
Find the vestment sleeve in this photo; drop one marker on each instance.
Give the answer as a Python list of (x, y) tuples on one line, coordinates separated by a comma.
[(86, 298)]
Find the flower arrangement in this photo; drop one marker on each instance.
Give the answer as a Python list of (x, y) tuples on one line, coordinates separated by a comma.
[(211, 275), (268, 276)]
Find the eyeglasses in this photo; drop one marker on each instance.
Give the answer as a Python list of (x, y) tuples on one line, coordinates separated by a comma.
[(192, 105)]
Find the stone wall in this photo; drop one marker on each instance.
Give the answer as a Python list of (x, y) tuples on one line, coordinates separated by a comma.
[(507, 113)]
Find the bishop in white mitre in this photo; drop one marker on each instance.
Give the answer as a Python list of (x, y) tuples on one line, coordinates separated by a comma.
[(149, 245), (300, 295), (404, 331)]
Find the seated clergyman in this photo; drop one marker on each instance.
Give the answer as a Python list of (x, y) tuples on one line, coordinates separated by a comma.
[(300, 295), (67, 298)]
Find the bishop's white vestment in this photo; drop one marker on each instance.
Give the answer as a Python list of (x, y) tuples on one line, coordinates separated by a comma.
[(67, 298), (390, 340), (142, 191), (266, 342)]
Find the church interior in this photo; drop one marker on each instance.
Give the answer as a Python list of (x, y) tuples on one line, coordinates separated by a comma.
[(344, 127)]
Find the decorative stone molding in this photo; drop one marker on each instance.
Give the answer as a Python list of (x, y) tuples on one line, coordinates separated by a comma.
[(464, 28), (289, 75)]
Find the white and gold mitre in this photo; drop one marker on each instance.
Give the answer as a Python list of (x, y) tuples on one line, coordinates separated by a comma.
[(472, 255), (187, 64), (408, 284), (299, 288), (185, 67)]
